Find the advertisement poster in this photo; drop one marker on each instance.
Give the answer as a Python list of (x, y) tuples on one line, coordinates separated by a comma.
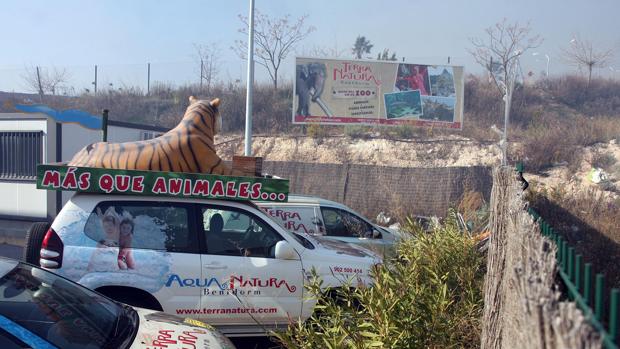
[(364, 92)]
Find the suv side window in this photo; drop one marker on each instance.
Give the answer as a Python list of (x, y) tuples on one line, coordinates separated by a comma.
[(342, 223), (233, 232), (142, 225), (296, 219)]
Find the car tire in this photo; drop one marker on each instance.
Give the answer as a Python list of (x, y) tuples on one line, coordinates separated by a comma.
[(34, 239)]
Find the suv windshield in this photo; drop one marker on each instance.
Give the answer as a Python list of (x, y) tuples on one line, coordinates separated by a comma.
[(59, 311)]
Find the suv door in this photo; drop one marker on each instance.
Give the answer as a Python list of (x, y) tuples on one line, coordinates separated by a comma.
[(152, 246), (346, 226), (245, 283)]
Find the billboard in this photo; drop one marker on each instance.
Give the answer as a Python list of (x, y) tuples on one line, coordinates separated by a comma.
[(339, 91)]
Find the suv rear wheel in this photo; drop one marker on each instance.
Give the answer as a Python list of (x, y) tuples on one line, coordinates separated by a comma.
[(34, 239)]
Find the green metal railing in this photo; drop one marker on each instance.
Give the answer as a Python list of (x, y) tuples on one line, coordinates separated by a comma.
[(577, 277)]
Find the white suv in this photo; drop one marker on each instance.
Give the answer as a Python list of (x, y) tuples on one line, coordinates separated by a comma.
[(332, 220), (224, 262)]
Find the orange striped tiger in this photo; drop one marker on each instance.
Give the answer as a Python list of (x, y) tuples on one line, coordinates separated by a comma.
[(186, 148)]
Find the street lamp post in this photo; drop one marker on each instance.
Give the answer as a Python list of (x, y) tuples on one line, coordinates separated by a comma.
[(250, 84), (548, 59)]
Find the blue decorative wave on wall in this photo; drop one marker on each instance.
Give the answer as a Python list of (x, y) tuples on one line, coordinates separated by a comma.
[(66, 116)]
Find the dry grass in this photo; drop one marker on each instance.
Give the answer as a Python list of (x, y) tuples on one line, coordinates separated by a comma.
[(589, 221)]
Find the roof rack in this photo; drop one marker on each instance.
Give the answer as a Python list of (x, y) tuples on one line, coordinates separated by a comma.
[(59, 176)]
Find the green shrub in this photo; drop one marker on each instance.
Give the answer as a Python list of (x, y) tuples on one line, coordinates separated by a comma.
[(316, 131), (404, 131), (430, 296), (357, 131)]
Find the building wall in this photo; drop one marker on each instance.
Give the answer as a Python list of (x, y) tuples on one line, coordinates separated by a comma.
[(22, 198)]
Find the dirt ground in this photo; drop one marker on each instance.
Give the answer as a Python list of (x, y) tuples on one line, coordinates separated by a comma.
[(440, 152)]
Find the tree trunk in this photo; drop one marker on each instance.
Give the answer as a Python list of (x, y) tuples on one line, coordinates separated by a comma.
[(275, 79), (589, 76)]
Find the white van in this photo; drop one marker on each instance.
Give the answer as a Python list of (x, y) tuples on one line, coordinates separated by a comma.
[(224, 262), (319, 217)]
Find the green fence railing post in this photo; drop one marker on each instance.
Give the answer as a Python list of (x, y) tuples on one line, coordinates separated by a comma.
[(577, 271), (598, 297), (587, 283), (564, 254), (613, 314), (570, 265)]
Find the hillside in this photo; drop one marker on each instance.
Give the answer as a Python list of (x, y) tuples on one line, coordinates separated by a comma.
[(444, 151)]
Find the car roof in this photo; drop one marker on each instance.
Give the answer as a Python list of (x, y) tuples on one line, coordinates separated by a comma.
[(111, 197), (307, 199)]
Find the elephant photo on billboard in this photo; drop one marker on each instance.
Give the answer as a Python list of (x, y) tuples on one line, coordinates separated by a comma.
[(309, 84)]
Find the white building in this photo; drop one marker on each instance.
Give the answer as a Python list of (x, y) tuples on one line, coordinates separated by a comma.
[(30, 139)]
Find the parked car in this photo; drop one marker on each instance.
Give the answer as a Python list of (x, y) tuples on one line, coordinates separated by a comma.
[(225, 262), (39, 309), (330, 219)]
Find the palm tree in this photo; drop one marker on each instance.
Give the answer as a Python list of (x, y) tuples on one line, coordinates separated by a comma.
[(361, 46)]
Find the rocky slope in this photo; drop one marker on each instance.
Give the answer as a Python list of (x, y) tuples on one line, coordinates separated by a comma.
[(449, 150)]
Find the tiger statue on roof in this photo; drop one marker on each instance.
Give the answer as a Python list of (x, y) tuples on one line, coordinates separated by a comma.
[(188, 147)]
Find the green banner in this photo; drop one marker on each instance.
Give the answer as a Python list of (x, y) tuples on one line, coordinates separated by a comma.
[(151, 183)]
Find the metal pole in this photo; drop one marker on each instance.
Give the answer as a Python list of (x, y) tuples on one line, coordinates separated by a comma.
[(598, 297), (577, 272), (587, 283), (95, 79), (148, 79), (548, 59), (613, 314), (250, 83), (570, 263), (104, 126), (40, 86)]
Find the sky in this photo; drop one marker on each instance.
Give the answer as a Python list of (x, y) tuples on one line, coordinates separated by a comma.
[(122, 36)]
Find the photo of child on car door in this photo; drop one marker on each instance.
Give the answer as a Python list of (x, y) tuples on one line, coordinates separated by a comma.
[(118, 231)]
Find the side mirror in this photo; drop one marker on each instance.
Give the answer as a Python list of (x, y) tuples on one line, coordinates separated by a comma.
[(284, 250), (376, 234)]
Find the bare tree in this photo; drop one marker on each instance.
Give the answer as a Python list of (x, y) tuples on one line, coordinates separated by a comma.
[(499, 54), (582, 55), (209, 64), (46, 81), (324, 51), (274, 38)]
